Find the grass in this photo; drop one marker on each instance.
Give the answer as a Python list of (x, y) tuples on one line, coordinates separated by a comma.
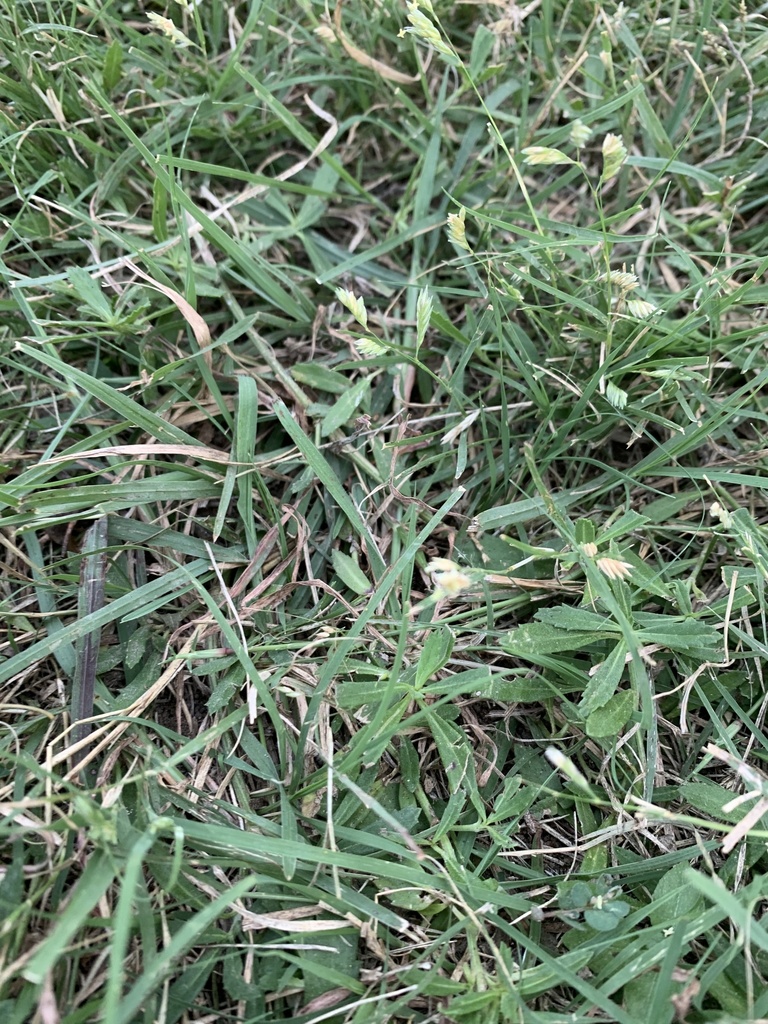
[(382, 505)]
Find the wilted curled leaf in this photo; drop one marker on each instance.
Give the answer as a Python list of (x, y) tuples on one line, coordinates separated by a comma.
[(364, 59), (190, 314)]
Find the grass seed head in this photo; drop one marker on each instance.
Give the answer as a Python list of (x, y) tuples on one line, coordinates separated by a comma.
[(622, 279), (370, 347), (614, 569), (614, 155), (640, 308), (457, 231), (424, 29), (545, 155), (355, 304), (580, 134), (169, 30)]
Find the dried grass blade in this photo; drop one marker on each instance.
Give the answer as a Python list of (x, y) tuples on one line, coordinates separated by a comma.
[(390, 74)]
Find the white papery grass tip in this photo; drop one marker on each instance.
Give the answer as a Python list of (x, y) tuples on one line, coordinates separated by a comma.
[(640, 308), (614, 569)]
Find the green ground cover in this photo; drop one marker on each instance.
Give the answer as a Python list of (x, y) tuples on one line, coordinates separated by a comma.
[(382, 503)]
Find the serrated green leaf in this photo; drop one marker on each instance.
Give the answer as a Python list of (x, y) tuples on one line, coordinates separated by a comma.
[(89, 292), (585, 531), (646, 577), (113, 66), (537, 638), (350, 573), (610, 719), (565, 617), (458, 765), (626, 523), (136, 646), (344, 408), (638, 994), (602, 685), (408, 899), (409, 764), (677, 634), (454, 752), (315, 375), (225, 689), (674, 899), (708, 798), (434, 654)]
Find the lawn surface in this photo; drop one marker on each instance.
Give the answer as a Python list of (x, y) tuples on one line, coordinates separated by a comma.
[(382, 496)]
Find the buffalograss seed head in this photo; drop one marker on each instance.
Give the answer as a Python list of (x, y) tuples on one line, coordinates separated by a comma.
[(448, 577), (614, 568), (614, 155), (457, 230), (167, 27), (370, 347), (580, 134), (616, 395), (640, 308), (626, 283), (425, 30), (624, 280), (355, 304), (545, 155)]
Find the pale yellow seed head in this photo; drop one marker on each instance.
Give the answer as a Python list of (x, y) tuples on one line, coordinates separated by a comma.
[(370, 347), (457, 231), (355, 305), (167, 27), (614, 155), (616, 395), (449, 584), (640, 308), (580, 134), (442, 565), (614, 569), (423, 28), (718, 512), (622, 279), (545, 155)]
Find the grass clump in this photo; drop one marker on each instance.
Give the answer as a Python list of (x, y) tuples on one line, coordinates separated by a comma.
[(382, 513)]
